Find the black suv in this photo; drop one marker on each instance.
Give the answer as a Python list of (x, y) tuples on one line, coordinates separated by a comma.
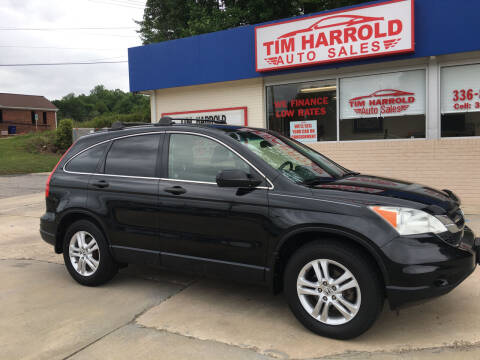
[(249, 204)]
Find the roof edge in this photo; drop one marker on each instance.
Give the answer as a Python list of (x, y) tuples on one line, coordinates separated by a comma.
[(27, 108)]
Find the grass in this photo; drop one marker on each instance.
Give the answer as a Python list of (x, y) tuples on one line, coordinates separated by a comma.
[(18, 156)]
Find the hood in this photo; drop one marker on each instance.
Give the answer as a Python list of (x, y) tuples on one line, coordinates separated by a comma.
[(395, 189)]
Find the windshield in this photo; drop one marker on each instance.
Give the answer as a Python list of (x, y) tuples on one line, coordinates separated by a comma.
[(296, 161)]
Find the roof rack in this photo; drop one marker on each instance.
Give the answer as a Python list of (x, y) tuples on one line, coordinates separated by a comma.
[(167, 120), (118, 125)]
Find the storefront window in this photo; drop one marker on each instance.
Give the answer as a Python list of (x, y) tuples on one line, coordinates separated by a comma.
[(460, 100), (383, 106), (303, 111)]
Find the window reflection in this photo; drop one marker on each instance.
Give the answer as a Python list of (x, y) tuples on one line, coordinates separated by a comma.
[(304, 111)]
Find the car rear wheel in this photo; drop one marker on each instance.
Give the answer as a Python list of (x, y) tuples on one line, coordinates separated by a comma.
[(333, 289), (86, 254)]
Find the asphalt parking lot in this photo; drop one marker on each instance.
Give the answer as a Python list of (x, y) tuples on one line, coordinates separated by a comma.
[(150, 314), (13, 185)]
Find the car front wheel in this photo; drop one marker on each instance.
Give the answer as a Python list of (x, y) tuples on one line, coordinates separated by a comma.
[(333, 289), (86, 254)]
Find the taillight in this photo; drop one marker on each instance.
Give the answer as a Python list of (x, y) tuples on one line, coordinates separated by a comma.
[(47, 185)]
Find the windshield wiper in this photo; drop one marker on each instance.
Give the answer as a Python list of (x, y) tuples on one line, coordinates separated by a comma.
[(350, 173), (320, 179), (317, 180)]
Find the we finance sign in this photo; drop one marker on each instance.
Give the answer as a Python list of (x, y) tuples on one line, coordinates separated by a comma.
[(373, 30)]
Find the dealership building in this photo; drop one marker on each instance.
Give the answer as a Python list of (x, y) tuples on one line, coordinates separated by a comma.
[(389, 88)]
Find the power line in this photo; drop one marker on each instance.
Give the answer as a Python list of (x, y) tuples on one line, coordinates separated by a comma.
[(117, 4), (113, 35), (65, 63), (69, 28), (101, 59), (130, 2), (126, 2), (59, 48), (83, 28), (135, 1)]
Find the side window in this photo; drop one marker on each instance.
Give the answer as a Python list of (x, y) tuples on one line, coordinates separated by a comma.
[(87, 161), (133, 156), (197, 158)]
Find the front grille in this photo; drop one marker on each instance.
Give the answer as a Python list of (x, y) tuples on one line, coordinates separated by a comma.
[(458, 218), (451, 238)]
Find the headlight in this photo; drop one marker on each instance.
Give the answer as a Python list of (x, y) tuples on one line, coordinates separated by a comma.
[(409, 221)]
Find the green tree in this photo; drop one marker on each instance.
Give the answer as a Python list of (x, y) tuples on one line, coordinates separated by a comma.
[(101, 101), (173, 19), (63, 135), (101, 107)]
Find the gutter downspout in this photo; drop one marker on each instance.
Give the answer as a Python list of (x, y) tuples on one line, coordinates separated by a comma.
[(153, 107)]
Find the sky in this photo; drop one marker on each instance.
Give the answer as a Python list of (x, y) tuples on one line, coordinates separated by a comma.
[(60, 45)]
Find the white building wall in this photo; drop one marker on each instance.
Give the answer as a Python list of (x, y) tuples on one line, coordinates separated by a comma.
[(247, 93), (443, 163)]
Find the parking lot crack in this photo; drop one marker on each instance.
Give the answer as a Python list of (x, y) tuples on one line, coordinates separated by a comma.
[(134, 320), (130, 322), (273, 354), (354, 355), (94, 341)]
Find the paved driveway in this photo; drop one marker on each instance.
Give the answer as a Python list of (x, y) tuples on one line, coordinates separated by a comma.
[(149, 314), (14, 185)]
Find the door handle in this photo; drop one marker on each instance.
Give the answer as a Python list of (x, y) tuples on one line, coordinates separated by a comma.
[(176, 190), (100, 184)]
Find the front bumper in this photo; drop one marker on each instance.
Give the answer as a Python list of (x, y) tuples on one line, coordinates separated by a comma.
[(423, 267), (476, 245)]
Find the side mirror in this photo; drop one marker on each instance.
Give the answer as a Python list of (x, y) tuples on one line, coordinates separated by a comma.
[(237, 179)]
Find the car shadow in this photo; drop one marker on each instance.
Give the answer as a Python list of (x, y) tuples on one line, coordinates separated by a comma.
[(250, 315)]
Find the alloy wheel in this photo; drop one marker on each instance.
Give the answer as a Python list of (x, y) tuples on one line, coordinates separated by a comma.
[(328, 291), (84, 253)]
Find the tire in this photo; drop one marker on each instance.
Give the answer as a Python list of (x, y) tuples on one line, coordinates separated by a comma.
[(361, 303), (97, 265)]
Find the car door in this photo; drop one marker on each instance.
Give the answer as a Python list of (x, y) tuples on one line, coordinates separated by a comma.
[(76, 176), (205, 228), (125, 195)]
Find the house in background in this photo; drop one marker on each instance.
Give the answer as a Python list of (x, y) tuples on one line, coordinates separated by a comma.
[(26, 113)]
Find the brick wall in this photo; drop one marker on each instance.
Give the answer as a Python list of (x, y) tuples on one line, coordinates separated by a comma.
[(444, 164), (22, 119)]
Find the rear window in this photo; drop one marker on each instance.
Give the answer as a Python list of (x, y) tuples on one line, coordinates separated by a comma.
[(88, 160), (133, 156)]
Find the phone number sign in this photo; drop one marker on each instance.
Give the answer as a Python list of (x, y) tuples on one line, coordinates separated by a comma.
[(460, 89), (466, 99)]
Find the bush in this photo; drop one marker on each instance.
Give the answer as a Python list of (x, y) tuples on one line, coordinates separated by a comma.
[(107, 120), (41, 142), (63, 137)]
